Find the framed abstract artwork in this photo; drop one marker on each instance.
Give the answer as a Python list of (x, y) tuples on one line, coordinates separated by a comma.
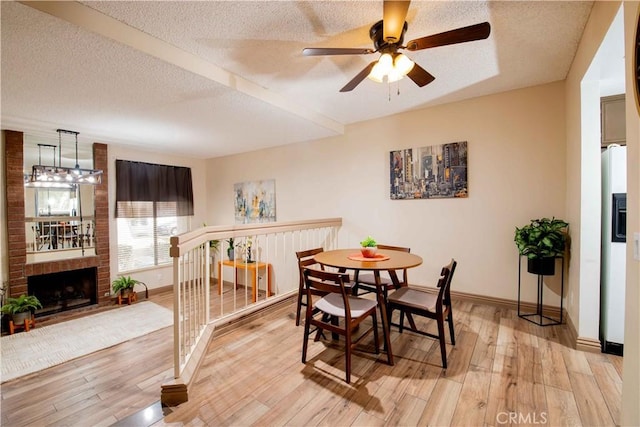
[(255, 201), (436, 171)]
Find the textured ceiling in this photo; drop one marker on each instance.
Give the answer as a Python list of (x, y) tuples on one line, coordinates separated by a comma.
[(206, 79)]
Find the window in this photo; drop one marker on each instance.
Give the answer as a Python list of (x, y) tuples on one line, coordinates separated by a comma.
[(144, 241), (153, 203)]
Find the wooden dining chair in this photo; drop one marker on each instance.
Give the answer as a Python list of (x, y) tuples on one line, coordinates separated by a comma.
[(338, 303), (434, 304), (305, 260), (366, 282)]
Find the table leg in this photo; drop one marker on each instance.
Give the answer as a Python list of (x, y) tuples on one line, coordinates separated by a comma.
[(268, 268), (383, 314), (254, 282)]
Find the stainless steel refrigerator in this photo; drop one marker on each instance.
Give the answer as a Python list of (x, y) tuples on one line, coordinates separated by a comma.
[(613, 257)]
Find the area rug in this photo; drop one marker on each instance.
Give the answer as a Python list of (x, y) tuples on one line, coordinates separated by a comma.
[(27, 352)]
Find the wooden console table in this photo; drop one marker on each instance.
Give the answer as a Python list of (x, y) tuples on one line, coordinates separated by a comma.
[(253, 268)]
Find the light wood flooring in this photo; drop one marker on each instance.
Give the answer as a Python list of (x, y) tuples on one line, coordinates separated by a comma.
[(503, 370)]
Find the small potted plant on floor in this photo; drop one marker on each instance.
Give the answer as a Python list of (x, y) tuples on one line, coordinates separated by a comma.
[(123, 287), (541, 242), (369, 247), (21, 308)]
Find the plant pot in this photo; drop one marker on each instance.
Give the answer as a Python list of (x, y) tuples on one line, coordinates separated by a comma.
[(19, 318), (542, 266), (369, 251), (230, 252)]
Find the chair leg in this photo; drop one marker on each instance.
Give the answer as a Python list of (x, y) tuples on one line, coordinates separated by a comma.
[(450, 320), (376, 339), (335, 320), (443, 347), (305, 341), (354, 288), (300, 292), (401, 327), (347, 352)]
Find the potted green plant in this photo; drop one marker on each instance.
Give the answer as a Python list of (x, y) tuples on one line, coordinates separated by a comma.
[(231, 249), (21, 308), (541, 241), (123, 285), (369, 247)]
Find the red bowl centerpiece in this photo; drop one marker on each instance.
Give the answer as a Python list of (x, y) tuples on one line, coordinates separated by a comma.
[(369, 251)]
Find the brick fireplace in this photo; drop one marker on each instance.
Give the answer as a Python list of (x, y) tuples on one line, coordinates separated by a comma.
[(19, 271)]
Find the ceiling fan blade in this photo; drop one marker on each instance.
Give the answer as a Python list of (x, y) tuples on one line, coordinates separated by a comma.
[(420, 76), (359, 78), (394, 15), (316, 51), (460, 35)]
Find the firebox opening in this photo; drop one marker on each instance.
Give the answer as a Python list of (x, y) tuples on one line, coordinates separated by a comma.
[(66, 290)]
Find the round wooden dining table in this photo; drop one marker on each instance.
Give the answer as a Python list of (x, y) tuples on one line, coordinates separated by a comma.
[(388, 260)]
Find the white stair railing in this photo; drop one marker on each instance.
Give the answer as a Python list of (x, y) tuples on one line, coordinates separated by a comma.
[(211, 289)]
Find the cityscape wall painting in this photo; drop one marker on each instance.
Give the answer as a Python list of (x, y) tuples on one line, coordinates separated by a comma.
[(436, 171), (255, 201)]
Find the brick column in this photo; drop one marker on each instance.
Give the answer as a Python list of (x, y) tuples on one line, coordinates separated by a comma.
[(101, 204), (14, 164)]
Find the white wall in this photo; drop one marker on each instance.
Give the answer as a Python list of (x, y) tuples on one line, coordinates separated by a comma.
[(581, 304), (516, 149), (159, 276)]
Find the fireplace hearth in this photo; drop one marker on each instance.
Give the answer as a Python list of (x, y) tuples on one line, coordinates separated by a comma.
[(63, 291)]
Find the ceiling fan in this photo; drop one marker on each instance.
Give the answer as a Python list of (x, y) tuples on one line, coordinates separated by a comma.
[(388, 35)]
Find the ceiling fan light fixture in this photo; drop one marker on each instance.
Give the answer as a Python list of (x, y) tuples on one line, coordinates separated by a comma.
[(394, 75), (386, 63), (402, 64), (376, 74), (393, 68)]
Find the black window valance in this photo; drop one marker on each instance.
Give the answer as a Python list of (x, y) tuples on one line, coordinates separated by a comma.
[(168, 186)]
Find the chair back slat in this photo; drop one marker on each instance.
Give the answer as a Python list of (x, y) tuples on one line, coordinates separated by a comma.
[(319, 282), (305, 260), (444, 285)]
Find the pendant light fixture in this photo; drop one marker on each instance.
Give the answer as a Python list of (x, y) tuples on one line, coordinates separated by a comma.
[(58, 175)]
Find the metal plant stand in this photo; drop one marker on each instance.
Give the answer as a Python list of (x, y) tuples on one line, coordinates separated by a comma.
[(538, 317)]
